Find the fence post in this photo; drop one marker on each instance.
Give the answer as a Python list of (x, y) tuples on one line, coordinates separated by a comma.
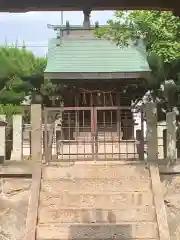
[(152, 141), (2, 138), (36, 132), (171, 135), (17, 152), (140, 143)]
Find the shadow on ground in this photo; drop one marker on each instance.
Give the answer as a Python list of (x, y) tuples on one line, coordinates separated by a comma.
[(98, 229)]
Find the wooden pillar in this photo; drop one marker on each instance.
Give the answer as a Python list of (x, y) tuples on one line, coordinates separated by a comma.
[(36, 132), (152, 141)]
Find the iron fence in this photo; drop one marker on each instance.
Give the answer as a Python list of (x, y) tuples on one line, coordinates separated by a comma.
[(89, 133)]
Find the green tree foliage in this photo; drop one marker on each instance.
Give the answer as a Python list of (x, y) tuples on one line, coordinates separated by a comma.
[(160, 31), (164, 82), (160, 34), (15, 64)]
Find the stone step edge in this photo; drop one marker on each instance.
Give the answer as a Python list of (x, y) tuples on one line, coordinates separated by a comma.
[(90, 208), (95, 224), (122, 238), (95, 209), (113, 193), (94, 193), (120, 178), (94, 179), (146, 229), (107, 193), (99, 163)]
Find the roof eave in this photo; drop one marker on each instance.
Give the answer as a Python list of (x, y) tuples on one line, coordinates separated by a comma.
[(95, 75)]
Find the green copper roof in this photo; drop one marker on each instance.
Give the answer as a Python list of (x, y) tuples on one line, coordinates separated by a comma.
[(93, 55)]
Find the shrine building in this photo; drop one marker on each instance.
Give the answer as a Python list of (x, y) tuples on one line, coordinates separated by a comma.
[(101, 80)]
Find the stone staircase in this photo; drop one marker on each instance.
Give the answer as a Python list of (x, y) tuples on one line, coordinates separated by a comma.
[(97, 201)]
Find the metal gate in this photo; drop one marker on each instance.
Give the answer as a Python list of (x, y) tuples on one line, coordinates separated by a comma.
[(89, 133)]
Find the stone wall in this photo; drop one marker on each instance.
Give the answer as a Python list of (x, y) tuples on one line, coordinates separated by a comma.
[(171, 187), (14, 199)]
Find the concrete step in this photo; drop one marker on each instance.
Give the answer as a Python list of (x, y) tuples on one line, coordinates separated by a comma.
[(96, 185), (109, 201), (51, 214), (96, 171), (96, 201), (124, 230)]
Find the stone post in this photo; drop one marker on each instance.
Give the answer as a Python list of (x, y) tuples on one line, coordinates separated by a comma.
[(17, 152), (152, 141), (171, 135), (2, 138), (36, 132)]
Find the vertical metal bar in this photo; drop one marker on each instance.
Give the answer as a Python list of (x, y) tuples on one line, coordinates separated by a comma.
[(134, 145), (77, 114), (56, 143), (92, 133), (104, 97), (96, 132), (118, 122), (111, 118), (83, 120), (118, 111), (104, 133), (69, 132), (104, 120), (77, 123), (77, 131), (84, 130), (120, 132), (111, 129), (63, 131), (125, 126), (62, 142), (142, 131)]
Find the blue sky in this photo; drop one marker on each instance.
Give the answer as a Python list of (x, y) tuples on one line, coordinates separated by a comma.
[(32, 28)]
